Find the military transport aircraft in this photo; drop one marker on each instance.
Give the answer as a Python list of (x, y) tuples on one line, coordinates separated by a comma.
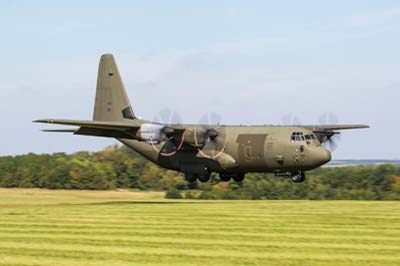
[(199, 150)]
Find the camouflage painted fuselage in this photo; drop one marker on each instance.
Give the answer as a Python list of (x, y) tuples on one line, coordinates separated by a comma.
[(244, 149)]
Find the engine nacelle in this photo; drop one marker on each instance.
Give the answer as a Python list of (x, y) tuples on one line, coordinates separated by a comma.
[(151, 133)]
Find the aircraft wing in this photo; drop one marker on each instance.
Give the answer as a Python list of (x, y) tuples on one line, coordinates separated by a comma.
[(107, 128), (96, 128), (333, 127), (324, 133)]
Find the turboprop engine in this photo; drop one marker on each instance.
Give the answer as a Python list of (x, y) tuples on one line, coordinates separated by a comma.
[(154, 133)]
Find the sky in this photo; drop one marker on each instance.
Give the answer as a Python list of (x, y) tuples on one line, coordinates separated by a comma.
[(250, 62)]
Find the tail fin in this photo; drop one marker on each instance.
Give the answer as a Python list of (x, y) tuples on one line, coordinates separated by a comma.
[(112, 103)]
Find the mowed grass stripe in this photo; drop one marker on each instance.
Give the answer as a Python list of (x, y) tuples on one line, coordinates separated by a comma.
[(313, 218), (330, 221), (153, 211), (387, 229), (244, 230), (156, 260), (229, 235), (191, 242), (209, 240), (96, 252), (123, 228), (93, 228)]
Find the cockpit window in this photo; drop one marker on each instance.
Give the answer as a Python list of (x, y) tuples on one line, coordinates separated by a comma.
[(309, 138), (297, 136)]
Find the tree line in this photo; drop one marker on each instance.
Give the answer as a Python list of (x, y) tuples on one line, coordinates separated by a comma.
[(119, 167)]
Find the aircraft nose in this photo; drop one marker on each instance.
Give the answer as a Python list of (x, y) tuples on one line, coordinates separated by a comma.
[(324, 156)]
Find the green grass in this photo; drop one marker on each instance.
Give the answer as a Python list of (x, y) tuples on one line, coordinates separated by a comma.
[(41, 227)]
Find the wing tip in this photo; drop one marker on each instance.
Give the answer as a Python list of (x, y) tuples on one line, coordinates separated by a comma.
[(60, 130), (49, 121), (364, 126)]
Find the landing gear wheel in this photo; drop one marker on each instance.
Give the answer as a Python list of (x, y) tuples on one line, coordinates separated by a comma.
[(190, 177), (238, 177), (298, 177), (204, 177), (225, 177)]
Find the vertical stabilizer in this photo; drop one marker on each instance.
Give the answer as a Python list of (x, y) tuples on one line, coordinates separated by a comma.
[(112, 103)]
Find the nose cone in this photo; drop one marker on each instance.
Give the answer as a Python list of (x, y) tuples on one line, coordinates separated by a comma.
[(324, 156)]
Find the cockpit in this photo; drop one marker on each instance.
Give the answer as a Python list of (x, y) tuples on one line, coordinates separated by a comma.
[(299, 136)]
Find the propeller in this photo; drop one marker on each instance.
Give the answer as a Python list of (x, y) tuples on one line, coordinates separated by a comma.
[(171, 146), (333, 141), (290, 120), (168, 116), (214, 143), (213, 138), (210, 118), (330, 139)]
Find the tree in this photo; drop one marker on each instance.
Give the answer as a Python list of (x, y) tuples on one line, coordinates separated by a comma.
[(120, 167), (173, 193)]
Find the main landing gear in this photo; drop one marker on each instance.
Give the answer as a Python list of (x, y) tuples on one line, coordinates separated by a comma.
[(298, 177), (190, 177), (237, 177), (205, 177)]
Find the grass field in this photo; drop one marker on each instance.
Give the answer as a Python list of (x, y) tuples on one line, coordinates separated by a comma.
[(41, 227)]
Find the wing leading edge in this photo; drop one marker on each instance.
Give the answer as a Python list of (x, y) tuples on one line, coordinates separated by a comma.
[(333, 127)]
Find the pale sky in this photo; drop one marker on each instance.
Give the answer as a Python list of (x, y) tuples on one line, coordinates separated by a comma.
[(251, 62)]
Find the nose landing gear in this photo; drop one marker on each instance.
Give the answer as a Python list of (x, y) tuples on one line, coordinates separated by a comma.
[(298, 177)]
